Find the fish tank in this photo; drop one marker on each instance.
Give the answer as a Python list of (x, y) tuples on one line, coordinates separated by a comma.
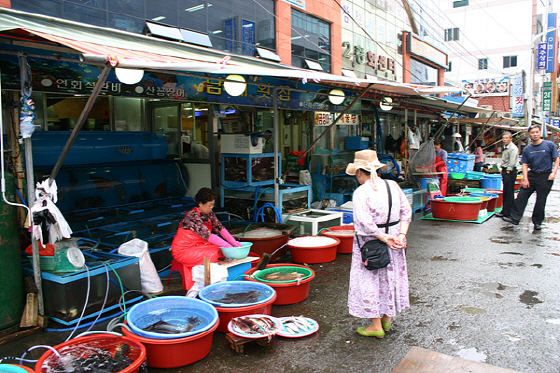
[(239, 170)]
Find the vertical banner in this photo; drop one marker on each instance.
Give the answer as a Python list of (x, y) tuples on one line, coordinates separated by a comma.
[(518, 107), (541, 57), (547, 96), (551, 45)]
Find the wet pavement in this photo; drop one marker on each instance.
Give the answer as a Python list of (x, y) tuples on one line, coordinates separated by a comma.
[(483, 292)]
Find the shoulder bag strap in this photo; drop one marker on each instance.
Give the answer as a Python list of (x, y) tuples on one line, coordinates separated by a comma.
[(390, 205)]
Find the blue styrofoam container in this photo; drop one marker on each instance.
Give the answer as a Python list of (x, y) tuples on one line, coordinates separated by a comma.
[(425, 180), (174, 310), (356, 143), (213, 293), (491, 182), (460, 162), (475, 175), (347, 216)]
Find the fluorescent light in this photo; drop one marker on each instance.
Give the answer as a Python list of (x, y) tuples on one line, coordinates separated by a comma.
[(217, 31), (158, 18), (296, 37), (195, 8)]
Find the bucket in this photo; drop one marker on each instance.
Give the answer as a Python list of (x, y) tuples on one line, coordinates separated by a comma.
[(79, 349), (288, 292), (346, 239), (182, 313), (500, 194), (175, 353), (425, 180), (228, 313), (313, 249), (491, 182), (223, 294), (466, 209)]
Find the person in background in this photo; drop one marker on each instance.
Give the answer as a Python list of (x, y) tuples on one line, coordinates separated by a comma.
[(198, 236), (478, 156), (540, 164), (510, 160), (269, 143), (379, 294), (441, 166)]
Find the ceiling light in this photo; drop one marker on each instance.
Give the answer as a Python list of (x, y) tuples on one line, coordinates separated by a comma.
[(129, 76), (158, 18), (385, 104)]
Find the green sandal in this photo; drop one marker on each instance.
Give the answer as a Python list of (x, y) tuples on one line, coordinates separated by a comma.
[(377, 334), (386, 325)]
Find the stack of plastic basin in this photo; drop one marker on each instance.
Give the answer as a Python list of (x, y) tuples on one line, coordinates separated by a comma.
[(491, 181), (500, 194), (492, 200)]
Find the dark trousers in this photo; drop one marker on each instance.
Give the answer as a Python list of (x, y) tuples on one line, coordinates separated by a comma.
[(509, 195), (477, 166), (537, 183)]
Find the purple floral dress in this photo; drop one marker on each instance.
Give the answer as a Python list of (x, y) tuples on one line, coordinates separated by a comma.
[(373, 294)]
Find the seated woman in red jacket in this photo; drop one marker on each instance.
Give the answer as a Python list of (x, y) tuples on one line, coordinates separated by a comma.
[(198, 236)]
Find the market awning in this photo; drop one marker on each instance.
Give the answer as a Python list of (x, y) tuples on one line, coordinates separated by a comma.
[(128, 50)]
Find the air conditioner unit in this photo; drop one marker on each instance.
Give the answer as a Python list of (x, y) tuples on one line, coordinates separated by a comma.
[(484, 115), (507, 115)]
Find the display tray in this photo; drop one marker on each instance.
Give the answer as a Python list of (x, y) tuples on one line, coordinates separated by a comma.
[(480, 220)]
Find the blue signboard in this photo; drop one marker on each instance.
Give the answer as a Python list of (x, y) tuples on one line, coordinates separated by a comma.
[(248, 31), (556, 123), (542, 57), (551, 44), (78, 78), (230, 34)]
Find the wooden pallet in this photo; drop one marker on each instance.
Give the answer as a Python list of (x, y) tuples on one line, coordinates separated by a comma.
[(419, 360)]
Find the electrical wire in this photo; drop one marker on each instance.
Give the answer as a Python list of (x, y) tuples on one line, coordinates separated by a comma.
[(85, 304), (104, 300)]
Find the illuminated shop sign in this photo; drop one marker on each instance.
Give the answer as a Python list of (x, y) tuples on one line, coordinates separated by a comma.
[(360, 56), (326, 119), (425, 50)]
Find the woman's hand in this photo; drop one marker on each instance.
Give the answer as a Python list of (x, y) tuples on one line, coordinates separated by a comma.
[(400, 241)]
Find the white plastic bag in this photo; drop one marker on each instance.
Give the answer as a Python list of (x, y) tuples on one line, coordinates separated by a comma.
[(218, 273), (305, 177), (151, 283)]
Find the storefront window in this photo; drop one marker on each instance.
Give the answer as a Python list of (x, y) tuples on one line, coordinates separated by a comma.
[(63, 113), (194, 133), (310, 41), (128, 114)]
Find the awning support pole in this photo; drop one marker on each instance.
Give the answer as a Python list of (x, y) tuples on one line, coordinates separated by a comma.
[(329, 128), (83, 116), (276, 165)]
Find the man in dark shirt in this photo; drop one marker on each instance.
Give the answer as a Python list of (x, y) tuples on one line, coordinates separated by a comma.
[(540, 164)]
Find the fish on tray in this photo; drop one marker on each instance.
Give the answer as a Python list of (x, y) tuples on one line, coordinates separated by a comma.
[(164, 327), (296, 325), (279, 276), (239, 298), (261, 325)]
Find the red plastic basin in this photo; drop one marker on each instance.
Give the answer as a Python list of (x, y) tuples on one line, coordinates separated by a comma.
[(500, 201), (225, 314), (455, 210), (175, 353), (314, 254), (81, 347), (346, 240), (290, 292)]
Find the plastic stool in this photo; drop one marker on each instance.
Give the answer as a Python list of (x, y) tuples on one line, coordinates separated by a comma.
[(186, 274)]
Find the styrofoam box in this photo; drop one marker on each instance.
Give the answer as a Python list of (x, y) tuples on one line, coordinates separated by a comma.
[(240, 144)]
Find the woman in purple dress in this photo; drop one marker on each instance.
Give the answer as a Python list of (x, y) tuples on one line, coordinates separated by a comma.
[(379, 294)]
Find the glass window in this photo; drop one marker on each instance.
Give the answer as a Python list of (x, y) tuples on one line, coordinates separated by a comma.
[(128, 114), (63, 113), (510, 61), (194, 134), (310, 40), (134, 8), (46, 7), (457, 4), (85, 14), (162, 11), (483, 64), (126, 23), (99, 4), (193, 15)]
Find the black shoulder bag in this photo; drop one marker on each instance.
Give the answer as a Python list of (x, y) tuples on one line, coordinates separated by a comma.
[(375, 253)]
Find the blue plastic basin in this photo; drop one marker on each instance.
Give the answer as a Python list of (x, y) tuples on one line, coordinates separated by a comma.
[(214, 292), (174, 310)]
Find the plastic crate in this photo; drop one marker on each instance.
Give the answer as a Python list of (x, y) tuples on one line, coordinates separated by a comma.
[(475, 175), (347, 216), (356, 143), (46, 263), (460, 163)]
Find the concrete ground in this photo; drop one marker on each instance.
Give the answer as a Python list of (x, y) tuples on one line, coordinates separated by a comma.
[(482, 292)]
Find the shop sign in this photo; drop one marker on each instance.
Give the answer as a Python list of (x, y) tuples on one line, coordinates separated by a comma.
[(78, 78), (517, 94), (298, 3), (552, 44), (487, 87), (326, 119), (541, 57), (423, 49), (555, 123), (360, 56), (547, 96)]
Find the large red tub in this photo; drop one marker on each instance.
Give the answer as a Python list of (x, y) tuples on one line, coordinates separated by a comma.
[(268, 245), (81, 348), (500, 193), (289, 292), (345, 233), (178, 352), (313, 249), (449, 209)]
